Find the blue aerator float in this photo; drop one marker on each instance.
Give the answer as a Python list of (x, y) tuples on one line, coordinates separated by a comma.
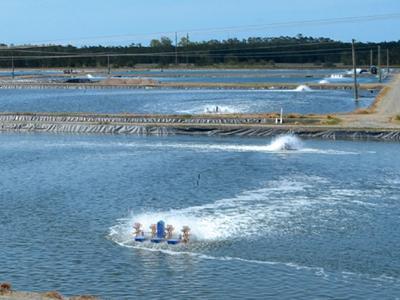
[(140, 238), (159, 233), (173, 241)]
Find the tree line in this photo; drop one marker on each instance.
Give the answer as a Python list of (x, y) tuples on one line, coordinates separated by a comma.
[(253, 51)]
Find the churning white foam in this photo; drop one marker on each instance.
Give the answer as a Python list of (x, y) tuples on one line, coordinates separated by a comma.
[(303, 88), (250, 213), (284, 144), (220, 109), (215, 109), (334, 78), (280, 144)]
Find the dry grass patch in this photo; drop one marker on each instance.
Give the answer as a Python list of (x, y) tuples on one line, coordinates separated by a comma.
[(53, 295), (294, 116), (84, 297), (396, 118), (128, 81), (363, 111)]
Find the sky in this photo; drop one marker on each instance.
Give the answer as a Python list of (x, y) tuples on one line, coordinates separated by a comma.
[(122, 22)]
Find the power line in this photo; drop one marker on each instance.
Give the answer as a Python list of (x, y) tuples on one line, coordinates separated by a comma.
[(62, 54), (197, 51), (167, 54), (327, 21), (171, 54), (314, 22)]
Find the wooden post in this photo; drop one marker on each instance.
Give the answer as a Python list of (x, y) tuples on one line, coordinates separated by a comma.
[(12, 67), (387, 62), (187, 49), (353, 51), (108, 66), (176, 48), (371, 58), (379, 64)]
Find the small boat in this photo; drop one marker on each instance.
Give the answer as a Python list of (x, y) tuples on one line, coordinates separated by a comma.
[(159, 233)]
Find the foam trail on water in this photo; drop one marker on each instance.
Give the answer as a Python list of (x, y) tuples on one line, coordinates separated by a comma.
[(253, 213), (248, 214), (317, 271), (300, 88), (281, 144), (181, 251)]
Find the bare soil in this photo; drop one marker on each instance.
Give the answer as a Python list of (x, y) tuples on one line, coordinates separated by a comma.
[(384, 112)]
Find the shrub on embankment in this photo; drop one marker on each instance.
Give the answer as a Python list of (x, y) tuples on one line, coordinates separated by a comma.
[(331, 120), (5, 288)]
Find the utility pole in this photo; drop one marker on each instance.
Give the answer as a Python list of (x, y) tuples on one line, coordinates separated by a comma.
[(176, 48), (371, 58), (387, 61), (379, 63), (187, 49), (108, 66), (353, 51), (12, 67)]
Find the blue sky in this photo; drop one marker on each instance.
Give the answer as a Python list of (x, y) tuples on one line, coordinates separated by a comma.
[(75, 21)]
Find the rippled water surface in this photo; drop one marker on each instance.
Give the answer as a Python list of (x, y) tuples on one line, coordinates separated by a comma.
[(175, 101), (318, 221), (299, 76)]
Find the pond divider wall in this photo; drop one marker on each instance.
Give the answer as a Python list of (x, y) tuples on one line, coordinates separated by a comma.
[(175, 125), (272, 86)]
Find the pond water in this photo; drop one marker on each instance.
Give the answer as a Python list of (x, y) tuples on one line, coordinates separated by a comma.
[(318, 221), (181, 101)]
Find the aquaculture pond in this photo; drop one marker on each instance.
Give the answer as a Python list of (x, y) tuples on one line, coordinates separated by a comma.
[(182, 101), (293, 76), (317, 221)]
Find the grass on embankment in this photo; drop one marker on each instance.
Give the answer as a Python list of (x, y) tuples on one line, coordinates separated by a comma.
[(310, 119), (331, 120)]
